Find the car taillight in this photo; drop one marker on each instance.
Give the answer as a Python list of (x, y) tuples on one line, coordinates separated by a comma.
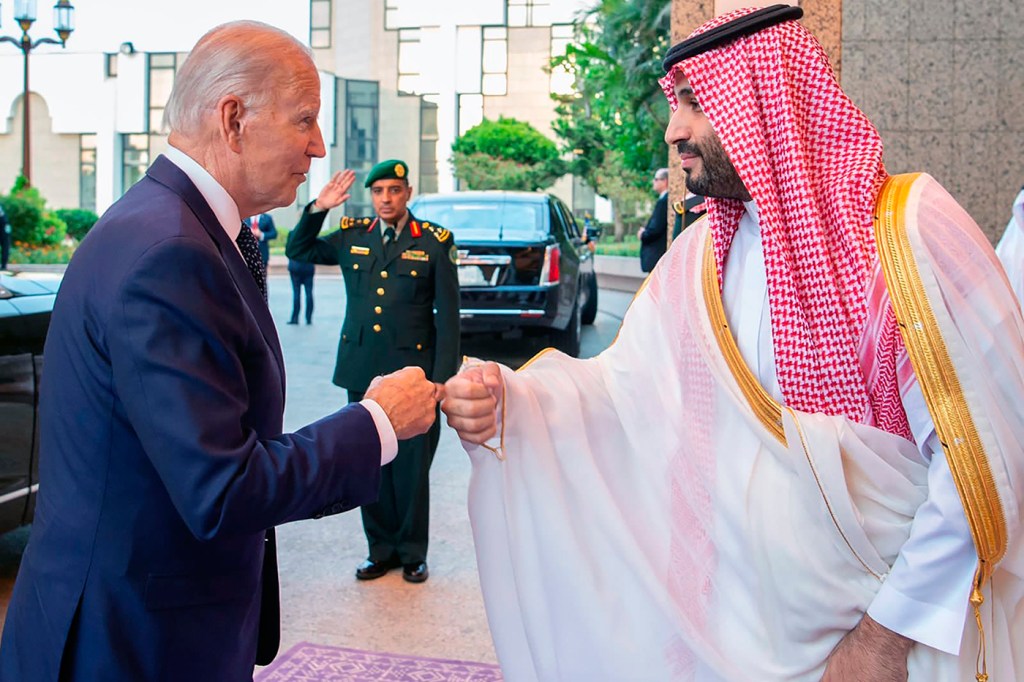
[(551, 270)]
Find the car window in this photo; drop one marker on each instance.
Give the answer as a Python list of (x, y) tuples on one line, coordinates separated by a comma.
[(570, 222), (508, 220)]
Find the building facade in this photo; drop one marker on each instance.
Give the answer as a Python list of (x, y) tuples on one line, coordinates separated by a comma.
[(399, 78)]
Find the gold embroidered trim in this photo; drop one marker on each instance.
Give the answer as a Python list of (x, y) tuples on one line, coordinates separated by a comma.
[(768, 411), (941, 387)]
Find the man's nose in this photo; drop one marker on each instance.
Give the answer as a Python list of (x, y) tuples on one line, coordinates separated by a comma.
[(678, 129), (316, 146)]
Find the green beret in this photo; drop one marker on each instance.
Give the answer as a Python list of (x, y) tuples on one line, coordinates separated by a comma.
[(392, 169)]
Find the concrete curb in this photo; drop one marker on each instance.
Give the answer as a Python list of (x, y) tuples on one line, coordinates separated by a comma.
[(621, 273)]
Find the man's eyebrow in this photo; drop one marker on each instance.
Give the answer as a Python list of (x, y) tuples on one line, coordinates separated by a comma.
[(685, 92)]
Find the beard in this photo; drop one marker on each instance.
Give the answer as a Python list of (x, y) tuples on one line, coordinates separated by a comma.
[(717, 177)]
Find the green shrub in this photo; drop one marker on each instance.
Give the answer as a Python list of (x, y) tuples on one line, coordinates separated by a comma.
[(24, 217), (52, 230), (78, 220), (506, 154), (31, 222), (22, 253)]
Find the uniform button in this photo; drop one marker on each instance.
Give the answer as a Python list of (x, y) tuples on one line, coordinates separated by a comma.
[(413, 273), (376, 327), (378, 310), (383, 274), (356, 266), (380, 291), (419, 346), (344, 337)]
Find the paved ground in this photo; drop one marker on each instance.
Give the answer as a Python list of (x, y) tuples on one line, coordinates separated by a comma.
[(321, 600)]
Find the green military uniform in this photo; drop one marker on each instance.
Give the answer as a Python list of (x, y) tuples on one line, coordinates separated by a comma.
[(390, 323)]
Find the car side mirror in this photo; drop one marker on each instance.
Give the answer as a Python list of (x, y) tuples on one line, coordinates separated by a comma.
[(593, 233)]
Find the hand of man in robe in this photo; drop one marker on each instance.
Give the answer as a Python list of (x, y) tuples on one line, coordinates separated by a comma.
[(335, 192), (408, 399), (471, 402), (869, 653)]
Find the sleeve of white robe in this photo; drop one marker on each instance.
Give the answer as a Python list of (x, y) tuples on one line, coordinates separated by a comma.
[(925, 596)]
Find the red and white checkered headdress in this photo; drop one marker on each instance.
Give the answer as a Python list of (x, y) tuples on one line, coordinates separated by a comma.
[(813, 164)]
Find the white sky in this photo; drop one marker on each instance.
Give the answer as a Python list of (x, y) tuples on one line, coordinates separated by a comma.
[(156, 25)]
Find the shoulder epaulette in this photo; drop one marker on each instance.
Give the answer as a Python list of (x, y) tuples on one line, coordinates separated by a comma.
[(679, 206), (439, 232)]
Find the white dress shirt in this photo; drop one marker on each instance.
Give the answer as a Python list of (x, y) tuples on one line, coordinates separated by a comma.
[(226, 211), (925, 595)]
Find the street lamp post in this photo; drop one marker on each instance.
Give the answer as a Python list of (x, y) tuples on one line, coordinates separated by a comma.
[(63, 24)]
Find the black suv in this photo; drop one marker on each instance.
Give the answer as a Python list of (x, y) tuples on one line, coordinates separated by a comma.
[(26, 301), (523, 263)]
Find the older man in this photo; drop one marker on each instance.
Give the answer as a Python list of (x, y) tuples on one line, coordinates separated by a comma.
[(836, 488), (163, 464)]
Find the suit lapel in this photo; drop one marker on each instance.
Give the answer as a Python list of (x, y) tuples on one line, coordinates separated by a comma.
[(172, 177)]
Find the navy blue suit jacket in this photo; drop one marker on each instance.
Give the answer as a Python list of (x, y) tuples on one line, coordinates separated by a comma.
[(162, 458)]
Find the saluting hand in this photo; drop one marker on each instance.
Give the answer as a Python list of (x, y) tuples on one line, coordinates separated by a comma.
[(335, 192), (471, 402), (408, 399)]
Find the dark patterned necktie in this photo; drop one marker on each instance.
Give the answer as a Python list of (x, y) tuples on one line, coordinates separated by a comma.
[(251, 254), (389, 241)]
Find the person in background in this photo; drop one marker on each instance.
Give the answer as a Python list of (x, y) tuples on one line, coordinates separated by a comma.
[(262, 226), (301, 274), (5, 239), (163, 464), (653, 240), (402, 293), (687, 212)]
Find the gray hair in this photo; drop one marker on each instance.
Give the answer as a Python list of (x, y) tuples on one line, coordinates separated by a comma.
[(242, 58), (661, 174)]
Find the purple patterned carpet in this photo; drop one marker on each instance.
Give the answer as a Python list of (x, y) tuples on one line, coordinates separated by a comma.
[(307, 662)]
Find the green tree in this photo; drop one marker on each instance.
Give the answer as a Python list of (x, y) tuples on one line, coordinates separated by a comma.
[(613, 124), (506, 154)]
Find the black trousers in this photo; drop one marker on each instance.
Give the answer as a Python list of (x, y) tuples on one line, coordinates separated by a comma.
[(397, 524), (299, 281)]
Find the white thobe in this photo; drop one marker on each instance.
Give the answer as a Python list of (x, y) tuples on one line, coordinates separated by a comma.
[(925, 595)]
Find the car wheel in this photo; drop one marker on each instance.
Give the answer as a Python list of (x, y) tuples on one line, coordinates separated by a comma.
[(568, 339), (589, 312)]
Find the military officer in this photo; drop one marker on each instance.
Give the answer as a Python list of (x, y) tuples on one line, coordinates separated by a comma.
[(403, 309)]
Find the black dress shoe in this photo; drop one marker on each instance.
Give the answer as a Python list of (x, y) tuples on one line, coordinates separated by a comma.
[(292, 322), (371, 570), (415, 573)]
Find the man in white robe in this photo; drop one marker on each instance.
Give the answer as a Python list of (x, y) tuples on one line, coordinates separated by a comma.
[(833, 489)]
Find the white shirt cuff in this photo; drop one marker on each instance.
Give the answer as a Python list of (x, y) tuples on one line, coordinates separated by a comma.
[(388, 439), (929, 624)]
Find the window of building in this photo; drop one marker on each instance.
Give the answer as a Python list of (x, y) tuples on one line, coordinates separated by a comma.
[(134, 158), (562, 78), (391, 14), (110, 65), (319, 23), (528, 12), (410, 59), (361, 136), (87, 172), (428, 144), (494, 63), (162, 66)]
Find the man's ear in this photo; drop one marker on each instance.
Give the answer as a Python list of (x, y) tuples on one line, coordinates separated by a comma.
[(230, 115)]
